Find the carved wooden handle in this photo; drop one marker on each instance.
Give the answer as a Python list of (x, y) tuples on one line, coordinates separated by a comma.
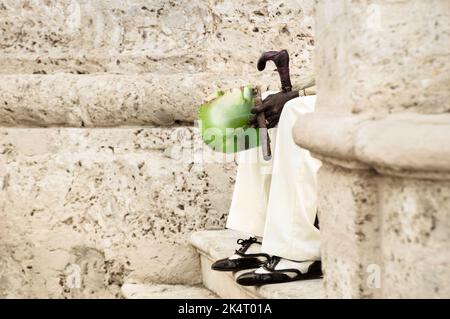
[(281, 60)]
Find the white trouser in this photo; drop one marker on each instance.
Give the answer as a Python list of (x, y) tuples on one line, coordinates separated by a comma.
[(277, 199)]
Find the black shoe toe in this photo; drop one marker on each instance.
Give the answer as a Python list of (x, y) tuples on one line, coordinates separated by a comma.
[(227, 264), (254, 279)]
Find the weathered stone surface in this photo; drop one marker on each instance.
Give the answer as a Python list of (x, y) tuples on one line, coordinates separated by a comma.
[(416, 238), (381, 235), (337, 141), (371, 57), (112, 100), (139, 291), (103, 206), (383, 190), (396, 144), (349, 226), (117, 204), (213, 245), (140, 36), (407, 143)]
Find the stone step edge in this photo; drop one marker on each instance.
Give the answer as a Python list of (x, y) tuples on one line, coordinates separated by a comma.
[(392, 144), (249, 291), (105, 100), (165, 291)]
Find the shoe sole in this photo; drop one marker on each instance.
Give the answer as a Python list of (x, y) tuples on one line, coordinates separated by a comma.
[(298, 278), (236, 269)]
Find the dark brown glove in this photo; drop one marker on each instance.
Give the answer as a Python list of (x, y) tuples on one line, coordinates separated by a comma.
[(272, 107)]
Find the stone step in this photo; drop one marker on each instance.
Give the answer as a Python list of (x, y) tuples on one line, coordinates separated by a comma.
[(144, 36), (139, 62), (143, 291), (216, 244), (134, 62), (105, 100)]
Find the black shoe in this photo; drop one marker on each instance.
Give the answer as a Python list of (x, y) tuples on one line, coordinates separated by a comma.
[(245, 261), (278, 276)]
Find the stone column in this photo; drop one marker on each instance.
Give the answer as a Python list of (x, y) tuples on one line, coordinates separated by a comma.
[(382, 129)]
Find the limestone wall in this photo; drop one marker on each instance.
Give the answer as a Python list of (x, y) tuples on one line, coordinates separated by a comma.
[(117, 202), (98, 181), (141, 36), (159, 58)]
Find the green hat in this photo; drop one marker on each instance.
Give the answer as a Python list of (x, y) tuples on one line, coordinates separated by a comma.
[(223, 121)]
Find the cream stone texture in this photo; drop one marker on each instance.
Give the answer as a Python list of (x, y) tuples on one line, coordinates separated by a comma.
[(142, 36), (138, 62), (383, 56), (350, 226), (99, 182), (415, 227), (116, 203), (382, 131), (110, 100), (398, 144), (139, 291)]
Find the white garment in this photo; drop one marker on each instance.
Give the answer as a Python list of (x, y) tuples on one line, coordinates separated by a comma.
[(277, 199)]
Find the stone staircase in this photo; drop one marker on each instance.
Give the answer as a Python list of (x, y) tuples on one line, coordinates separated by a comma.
[(212, 245), (100, 183), (215, 244)]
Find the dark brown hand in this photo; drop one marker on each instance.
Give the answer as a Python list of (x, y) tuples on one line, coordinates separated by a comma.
[(271, 107)]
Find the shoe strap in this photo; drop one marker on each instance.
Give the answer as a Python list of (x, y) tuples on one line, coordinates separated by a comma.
[(271, 264), (244, 255), (246, 243)]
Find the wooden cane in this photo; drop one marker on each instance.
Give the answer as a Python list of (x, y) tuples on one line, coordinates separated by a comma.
[(264, 139)]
